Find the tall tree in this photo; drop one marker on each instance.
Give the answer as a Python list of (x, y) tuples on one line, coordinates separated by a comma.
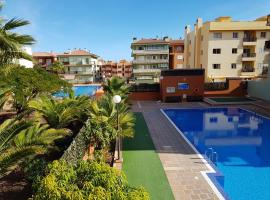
[(117, 86), (11, 43)]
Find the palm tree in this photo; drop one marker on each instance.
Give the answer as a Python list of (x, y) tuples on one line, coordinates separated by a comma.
[(57, 67), (35, 140), (117, 86), (9, 129), (61, 113), (11, 43), (105, 110), (5, 94)]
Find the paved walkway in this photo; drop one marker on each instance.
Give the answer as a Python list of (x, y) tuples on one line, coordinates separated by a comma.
[(181, 164)]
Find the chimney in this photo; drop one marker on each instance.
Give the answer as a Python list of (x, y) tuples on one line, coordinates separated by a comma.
[(166, 38), (134, 39)]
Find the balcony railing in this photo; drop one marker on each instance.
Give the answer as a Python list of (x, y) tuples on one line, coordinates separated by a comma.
[(80, 72), (249, 39), (248, 69), (146, 70), (156, 51), (150, 61), (249, 55)]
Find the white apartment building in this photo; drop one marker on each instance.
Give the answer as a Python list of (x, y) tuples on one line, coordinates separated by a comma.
[(227, 48), (81, 66), (150, 56)]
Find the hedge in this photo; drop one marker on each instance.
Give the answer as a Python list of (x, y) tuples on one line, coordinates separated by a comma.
[(76, 149)]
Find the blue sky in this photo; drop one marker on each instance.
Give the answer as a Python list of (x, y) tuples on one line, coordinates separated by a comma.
[(106, 27)]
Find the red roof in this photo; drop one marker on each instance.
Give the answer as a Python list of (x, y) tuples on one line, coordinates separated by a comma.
[(78, 52), (43, 54), (176, 41)]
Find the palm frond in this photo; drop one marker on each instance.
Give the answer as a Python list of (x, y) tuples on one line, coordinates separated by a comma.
[(15, 23)]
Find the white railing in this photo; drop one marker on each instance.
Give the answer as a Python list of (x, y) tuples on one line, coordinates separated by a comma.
[(146, 70), (149, 61), (158, 51)]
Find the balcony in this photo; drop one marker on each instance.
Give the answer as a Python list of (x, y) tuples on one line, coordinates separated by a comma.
[(144, 71), (248, 56), (149, 52), (80, 72), (150, 61), (249, 41), (248, 72)]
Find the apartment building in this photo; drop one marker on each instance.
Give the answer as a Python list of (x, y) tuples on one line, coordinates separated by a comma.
[(44, 59), (122, 69), (150, 56), (81, 66), (176, 57), (227, 48)]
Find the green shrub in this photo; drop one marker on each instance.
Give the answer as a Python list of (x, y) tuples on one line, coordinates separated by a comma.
[(85, 180), (34, 168)]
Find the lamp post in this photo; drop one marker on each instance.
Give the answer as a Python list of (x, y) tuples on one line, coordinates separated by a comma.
[(117, 100)]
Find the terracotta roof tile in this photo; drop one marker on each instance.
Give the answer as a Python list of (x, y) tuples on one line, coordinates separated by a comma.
[(176, 41), (78, 52), (43, 54)]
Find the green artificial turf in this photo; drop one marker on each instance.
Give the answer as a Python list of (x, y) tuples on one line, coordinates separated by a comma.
[(230, 99), (142, 165)]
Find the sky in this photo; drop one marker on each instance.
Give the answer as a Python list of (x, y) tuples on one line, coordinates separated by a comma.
[(106, 27)]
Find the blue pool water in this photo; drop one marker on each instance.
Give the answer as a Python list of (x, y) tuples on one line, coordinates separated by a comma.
[(88, 90), (241, 140)]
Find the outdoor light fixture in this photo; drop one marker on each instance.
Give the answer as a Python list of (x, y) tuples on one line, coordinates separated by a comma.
[(117, 99), (268, 20)]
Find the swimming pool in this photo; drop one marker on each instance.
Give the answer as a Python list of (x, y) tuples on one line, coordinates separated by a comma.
[(88, 90), (237, 141)]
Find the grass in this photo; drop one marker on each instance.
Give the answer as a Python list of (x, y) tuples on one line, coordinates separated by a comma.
[(142, 165)]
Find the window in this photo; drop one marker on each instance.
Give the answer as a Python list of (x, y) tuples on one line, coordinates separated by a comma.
[(217, 35), (267, 45), (189, 41), (216, 66), (234, 50), (179, 57), (201, 37), (263, 34), (48, 61), (40, 60), (179, 48), (213, 120), (201, 52), (235, 35), (233, 65), (216, 51)]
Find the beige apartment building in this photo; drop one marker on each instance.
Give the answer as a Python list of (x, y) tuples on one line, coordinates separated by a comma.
[(227, 48)]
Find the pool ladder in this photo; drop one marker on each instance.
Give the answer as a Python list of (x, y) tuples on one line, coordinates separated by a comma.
[(211, 155)]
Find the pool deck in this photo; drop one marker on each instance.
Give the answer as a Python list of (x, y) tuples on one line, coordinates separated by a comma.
[(181, 164)]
